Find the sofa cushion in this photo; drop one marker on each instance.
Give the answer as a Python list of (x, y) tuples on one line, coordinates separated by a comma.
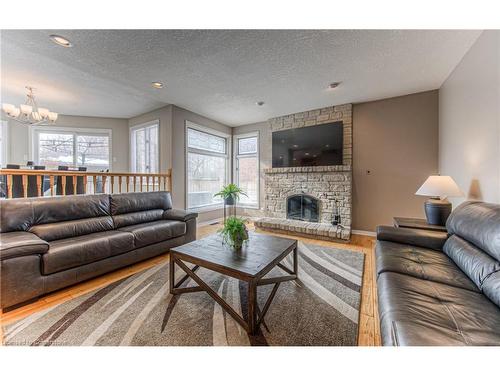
[(479, 224), (491, 288), (76, 251), (420, 262), (155, 231), (72, 228), (131, 218), (422, 312), (477, 264), (133, 202)]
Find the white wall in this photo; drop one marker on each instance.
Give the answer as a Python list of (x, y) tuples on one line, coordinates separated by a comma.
[(19, 142), (469, 121)]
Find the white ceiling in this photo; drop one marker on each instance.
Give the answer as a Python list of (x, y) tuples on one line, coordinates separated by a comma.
[(222, 73)]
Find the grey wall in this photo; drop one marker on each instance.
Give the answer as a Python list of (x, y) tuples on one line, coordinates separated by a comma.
[(396, 140), (469, 121), (20, 144), (164, 116), (179, 118)]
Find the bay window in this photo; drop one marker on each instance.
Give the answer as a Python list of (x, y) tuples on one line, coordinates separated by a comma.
[(207, 163), (246, 176)]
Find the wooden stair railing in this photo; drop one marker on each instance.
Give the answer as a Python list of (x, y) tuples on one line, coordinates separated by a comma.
[(105, 182)]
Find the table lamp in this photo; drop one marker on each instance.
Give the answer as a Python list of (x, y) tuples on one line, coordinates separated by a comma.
[(437, 207)]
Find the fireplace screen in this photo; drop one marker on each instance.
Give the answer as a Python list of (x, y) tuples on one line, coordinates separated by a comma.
[(302, 207)]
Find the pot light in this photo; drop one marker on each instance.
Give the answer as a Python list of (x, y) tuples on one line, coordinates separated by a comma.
[(260, 104), (62, 41), (333, 85), (157, 85)]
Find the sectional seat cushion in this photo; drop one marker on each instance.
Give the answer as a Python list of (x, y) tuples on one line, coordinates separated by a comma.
[(423, 263), (421, 312), (155, 231), (72, 252)]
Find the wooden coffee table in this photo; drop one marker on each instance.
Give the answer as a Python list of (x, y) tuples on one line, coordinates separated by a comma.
[(257, 258)]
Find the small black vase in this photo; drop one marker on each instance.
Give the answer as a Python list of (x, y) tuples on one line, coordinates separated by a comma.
[(229, 201)]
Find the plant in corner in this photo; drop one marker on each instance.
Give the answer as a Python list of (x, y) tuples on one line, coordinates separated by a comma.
[(234, 232)]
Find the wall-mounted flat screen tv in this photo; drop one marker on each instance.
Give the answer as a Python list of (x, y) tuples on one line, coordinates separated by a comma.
[(318, 145)]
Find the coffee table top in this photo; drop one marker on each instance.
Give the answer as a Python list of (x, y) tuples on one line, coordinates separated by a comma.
[(258, 255)]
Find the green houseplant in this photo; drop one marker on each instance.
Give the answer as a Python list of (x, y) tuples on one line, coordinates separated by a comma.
[(230, 193), (234, 232)]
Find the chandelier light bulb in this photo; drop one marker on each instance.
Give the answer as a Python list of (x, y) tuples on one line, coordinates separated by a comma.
[(26, 109), (44, 112), (8, 108), (16, 112), (52, 116)]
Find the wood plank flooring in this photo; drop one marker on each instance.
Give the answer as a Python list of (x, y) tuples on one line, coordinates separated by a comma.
[(369, 334)]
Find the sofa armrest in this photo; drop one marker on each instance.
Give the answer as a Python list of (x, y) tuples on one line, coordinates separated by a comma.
[(18, 244), (416, 237), (179, 215)]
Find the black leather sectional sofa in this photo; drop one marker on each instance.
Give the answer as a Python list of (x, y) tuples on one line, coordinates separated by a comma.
[(50, 243), (441, 288)]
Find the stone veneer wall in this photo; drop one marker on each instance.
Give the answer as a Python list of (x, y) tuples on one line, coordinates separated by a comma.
[(328, 183)]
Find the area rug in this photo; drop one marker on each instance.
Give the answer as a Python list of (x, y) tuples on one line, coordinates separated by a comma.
[(322, 308)]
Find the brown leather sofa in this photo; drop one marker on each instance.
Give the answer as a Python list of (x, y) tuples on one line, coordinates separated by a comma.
[(49, 243), (441, 288)]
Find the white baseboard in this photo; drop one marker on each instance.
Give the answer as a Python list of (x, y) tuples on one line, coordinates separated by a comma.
[(210, 222), (364, 233)]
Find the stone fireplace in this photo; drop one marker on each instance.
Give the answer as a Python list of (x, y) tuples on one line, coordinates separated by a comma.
[(328, 186)]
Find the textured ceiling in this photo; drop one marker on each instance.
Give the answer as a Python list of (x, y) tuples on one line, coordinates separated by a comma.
[(222, 73)]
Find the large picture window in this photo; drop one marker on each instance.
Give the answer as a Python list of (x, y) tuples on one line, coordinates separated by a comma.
[(246, 176), (207, 165), (144, 149), (54, 147)]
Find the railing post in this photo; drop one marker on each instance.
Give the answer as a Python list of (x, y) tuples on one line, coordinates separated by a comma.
[(51, 185), (38, 185), (119, 184), (74, 184), (9, 185)]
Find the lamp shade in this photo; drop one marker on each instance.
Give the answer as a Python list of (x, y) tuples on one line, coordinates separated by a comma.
[(440, 186)]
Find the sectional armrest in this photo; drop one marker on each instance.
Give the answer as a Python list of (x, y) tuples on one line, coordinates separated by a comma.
[(18, 244), (179, 215), (416, 237)]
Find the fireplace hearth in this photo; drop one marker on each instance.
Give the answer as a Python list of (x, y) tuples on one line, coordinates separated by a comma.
[(302, 207)]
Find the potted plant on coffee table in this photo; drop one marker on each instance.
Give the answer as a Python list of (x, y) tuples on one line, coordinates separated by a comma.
[(230, 194), (234, 232)]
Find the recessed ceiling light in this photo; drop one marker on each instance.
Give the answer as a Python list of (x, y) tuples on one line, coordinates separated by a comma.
[(260, 104), (60, 40), (295, 146), (334, 85), (157, 85), (307, 154)]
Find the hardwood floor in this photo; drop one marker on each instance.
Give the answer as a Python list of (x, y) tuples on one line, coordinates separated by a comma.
[(369, 334)]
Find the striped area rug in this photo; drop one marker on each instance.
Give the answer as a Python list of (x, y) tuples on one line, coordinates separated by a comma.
[(322, 308)]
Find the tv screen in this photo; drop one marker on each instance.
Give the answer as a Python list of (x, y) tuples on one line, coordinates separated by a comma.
[(318, 145)]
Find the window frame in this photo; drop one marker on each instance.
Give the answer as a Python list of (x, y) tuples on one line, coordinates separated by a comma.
[(37, 129), (226, 156), (237, 156), (132, 129)]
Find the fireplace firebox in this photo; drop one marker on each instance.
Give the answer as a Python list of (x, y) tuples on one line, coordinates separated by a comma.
[(302, 207)]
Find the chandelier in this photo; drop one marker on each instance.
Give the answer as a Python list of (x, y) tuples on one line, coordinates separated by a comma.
[(29, 113)]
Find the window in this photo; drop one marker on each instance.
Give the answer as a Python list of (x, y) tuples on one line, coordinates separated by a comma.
[(144, 148), (206, 165), (53, 147), (246, 174)]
